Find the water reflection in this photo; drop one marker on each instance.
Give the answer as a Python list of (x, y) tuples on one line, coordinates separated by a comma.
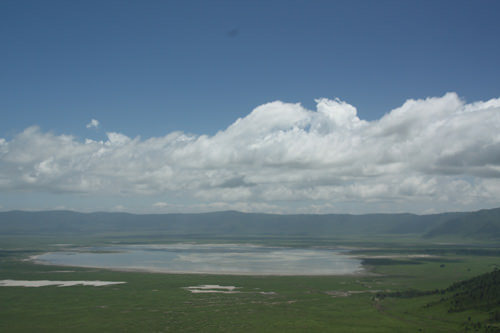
[(211, 259)]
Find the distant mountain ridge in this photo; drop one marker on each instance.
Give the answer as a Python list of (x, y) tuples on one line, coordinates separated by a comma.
[(480, 224)]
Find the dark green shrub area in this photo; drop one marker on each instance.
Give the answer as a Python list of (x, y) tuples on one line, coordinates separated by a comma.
[(482, 292)]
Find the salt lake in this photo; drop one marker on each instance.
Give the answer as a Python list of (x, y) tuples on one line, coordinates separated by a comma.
[(237, 259)]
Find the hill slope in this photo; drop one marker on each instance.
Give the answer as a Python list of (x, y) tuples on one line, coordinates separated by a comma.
[(236, 224), (480, 224)]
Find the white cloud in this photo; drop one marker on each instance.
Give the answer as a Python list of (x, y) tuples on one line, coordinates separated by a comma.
[(119, 208), (160, 204), (282, 157), (93, 124)]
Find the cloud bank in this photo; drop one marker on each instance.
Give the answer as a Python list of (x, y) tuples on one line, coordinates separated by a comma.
[(439, 153)]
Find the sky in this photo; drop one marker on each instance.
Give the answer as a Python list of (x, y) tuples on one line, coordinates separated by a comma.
[(257, 106)]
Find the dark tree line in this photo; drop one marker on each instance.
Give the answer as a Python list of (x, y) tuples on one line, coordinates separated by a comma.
[(479, 293)]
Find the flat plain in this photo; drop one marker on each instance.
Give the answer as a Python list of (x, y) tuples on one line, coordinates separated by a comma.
[(158, 302)]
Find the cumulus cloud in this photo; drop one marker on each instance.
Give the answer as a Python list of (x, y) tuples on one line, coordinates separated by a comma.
[(93, 124), (431, 153)]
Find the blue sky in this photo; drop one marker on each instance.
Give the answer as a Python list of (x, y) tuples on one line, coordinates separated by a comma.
[(144, 70)]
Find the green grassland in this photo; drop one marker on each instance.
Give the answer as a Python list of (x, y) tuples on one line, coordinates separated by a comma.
[(154, 302)]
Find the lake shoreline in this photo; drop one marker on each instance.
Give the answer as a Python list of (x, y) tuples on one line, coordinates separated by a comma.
[(360, 270)]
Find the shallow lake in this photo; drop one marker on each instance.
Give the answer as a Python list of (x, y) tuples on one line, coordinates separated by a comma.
[(244, 259)]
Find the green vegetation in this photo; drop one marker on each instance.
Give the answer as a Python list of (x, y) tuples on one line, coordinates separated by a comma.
[(482, 292), (479, 295), (160, 303), (411, 283)]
